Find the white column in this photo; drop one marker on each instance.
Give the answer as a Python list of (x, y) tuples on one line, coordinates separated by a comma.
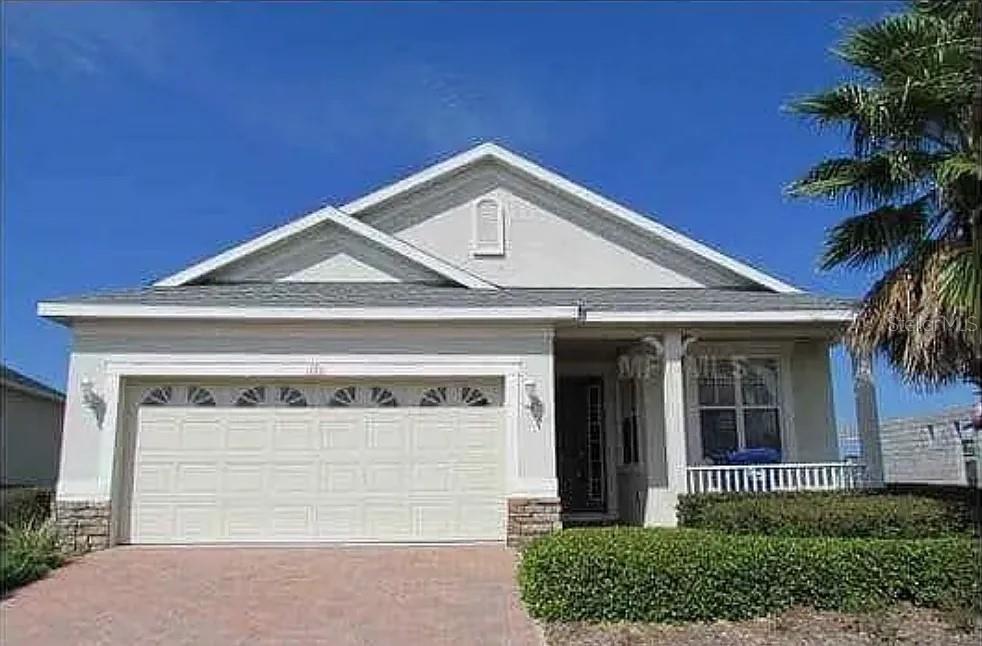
[(662, 499), (867, 418)]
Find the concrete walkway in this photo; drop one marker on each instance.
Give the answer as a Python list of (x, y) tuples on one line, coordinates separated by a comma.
[(263, 595)]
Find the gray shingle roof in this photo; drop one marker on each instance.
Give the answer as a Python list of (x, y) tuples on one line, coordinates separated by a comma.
[(329, 295), (10, 378)]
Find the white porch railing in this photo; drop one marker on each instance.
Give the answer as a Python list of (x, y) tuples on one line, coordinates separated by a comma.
[(759, 478)]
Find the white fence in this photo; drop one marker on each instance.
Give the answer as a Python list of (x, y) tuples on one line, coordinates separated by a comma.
[(759, 478)]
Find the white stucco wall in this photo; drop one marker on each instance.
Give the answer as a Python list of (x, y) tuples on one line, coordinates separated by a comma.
[(814, 412), (550, 240), (107, 353), (30, 438)]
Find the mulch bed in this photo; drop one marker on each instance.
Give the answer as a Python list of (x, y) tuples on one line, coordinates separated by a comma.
[(802, 627)]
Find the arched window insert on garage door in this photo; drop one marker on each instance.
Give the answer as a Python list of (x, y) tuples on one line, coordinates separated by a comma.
[(252, 397), (159, 396), (292, 397), (364, 397), (453, 396), (199, 396)]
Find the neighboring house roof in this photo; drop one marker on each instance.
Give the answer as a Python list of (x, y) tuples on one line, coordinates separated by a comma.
[(454, 165), (10, 378), (383, 300), (328, 214)]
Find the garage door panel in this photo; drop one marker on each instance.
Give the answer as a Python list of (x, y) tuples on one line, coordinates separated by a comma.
[(342, 434), (476, 478), (265, 474), (243, 477), (295, 435), (339, 521), (195, 478), (293, 521), (389, 518), (341, 478), (427, 477), (160, 434), (247, 435), (297, 478), (196, 523), (154, 522), (385, 477), (244, 523), (435, 519), (154, 477), (433, 435), (201, 434), (482, 521), (385, 435)]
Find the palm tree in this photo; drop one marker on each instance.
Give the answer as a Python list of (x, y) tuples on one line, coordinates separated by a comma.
[(913, 115)]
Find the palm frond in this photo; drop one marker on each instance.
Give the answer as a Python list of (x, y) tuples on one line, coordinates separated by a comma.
[(903, 318), (878, 238), (885, 176)]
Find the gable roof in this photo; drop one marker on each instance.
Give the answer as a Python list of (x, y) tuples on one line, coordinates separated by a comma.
[(491, 151), (482, 152), (333, 215)]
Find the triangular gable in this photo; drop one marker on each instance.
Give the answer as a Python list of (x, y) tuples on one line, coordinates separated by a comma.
[(347, 216), (326, 215), (493, 152)]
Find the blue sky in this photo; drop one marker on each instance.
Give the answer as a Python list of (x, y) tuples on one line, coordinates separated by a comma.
[(138, 138)]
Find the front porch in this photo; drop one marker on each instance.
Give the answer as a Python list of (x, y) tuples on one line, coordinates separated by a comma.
[(643, 418)]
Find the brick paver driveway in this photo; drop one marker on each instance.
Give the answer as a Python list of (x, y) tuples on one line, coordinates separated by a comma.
[(209, 595)]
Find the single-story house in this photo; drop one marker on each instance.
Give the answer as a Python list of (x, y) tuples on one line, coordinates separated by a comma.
[(477, 352), (939, 448), (31, 417)]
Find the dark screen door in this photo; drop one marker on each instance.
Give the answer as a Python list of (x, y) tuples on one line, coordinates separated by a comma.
[(580, 444)]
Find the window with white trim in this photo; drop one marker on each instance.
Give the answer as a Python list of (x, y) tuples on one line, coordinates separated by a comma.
[(489, 228), (739, 405)]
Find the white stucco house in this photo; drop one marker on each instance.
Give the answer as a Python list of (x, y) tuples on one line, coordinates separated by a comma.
[(475, 352)]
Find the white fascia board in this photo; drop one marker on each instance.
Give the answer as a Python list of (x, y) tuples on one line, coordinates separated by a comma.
[(508, 158), (320, 216), (118, 311), (711, 316)]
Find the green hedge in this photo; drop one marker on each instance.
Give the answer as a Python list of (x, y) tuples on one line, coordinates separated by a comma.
[(632, 574), (21, 505), (833, 514)]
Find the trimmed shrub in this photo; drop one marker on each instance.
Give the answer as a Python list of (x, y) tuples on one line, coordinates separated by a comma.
[(20, 505), (28, 552), (665, 575), (832, 514)]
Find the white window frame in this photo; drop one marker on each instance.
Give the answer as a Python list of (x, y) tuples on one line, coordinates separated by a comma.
[(778, 352), (479, 249)]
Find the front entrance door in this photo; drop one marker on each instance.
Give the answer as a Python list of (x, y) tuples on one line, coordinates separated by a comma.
[(580, 444)]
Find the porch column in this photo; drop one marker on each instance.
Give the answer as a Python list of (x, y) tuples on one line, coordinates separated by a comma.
[(867, 418), (663, 496)]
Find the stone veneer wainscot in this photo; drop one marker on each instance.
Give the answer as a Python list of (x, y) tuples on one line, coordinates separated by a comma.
[(529, 518), (83, 525)]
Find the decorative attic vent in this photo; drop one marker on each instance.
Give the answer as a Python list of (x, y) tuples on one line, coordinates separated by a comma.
[(489, 228)]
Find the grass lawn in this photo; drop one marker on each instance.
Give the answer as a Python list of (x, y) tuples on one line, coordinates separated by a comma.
[(902, 624)]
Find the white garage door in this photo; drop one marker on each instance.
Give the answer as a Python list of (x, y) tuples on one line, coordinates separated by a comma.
[(214, 474)]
